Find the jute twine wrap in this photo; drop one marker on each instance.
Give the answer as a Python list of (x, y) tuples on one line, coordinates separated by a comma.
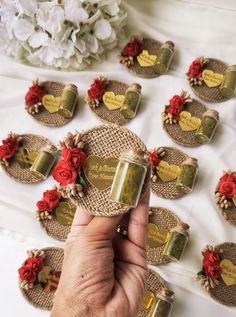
[(108, 141), (211, 94), (112, 116), (33, 143), (162, 218), (154, 284), (51, 119), (186, 138), (168, 189), (153, 47), (223, 294), (36, 296)]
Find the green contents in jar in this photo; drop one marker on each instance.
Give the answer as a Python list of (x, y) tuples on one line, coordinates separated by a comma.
[(164, 58), (68, 101), (43, 164), (187, 176), (228, 86), (175, 245), (130, 105), (206, 130), (163, 308)]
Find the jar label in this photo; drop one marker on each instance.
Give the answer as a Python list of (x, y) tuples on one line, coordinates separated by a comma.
[(167, 172), (25, 158), (100, 172), (212, 79), (145, 59), (65, 213), (228, 272), (187, 122), (156, 236), (112, 101), (51, 103)]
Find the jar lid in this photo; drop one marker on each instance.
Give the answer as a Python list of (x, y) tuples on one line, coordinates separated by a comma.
[(231, 68), (211, 113), (166, 294), (182, 227), (168, 44), (71, 87), (136, 86), (49, 149), (136, 156), (191, 161)]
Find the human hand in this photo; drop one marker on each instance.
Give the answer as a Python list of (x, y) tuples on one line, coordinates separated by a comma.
[(104, 272)]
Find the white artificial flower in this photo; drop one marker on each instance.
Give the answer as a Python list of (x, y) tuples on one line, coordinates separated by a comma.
[(51, 18), (74, 11)]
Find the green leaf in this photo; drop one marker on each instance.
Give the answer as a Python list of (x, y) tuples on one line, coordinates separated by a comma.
[(58, 153), (200, 273), (167, 107), (82, 180)]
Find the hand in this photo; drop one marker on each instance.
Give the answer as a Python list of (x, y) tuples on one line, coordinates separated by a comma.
[(104, 272)]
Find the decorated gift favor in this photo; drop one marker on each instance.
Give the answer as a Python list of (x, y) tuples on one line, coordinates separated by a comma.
[(225, 196), (27, 158), (91, 166), (55, 214), (147, 58), (218, 273), (114, 101), (51, 103), (173, 173), (188, 122), (212, 80), (39, 276)]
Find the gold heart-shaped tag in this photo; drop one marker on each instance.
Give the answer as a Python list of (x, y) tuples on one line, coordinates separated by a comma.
[(65, 213), (145, 59), (149, 299), (187, 122), (25, 158), (167, 172), (51, 103), (212, 79), (112, 101), (228, 272), (156, 237), (100, 173)]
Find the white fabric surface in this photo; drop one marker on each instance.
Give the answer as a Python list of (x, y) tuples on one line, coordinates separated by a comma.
[(198, 28)]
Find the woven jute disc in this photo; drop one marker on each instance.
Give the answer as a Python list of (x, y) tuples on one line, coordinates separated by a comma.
[(36, 296), (168, 189), (112, 116), (153, 47), (108, 141), (162, 218), (43, 116), (186, 138), (222, 293), (154, 284), (23, 175), (211, 94)]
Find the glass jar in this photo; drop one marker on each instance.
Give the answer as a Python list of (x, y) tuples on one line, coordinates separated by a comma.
[(129, 177), (44, 162), (69, 99), (208, 126), (187, 175), (164, 58), (176, 242), (131, 103), (164, 303), (228, 85)]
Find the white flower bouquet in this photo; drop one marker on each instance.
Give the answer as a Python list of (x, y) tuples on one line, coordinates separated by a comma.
[(62, 34)]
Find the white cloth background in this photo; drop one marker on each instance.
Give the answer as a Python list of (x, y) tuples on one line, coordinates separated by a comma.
[(198, 28)]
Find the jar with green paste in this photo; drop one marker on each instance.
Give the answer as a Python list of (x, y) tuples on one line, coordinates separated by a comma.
[(187, 175), (209, 122), (228, 85), (129, 177), (69, 98), (164, 58), (44, 162), (164, 303), (131, 103), (176, 242)]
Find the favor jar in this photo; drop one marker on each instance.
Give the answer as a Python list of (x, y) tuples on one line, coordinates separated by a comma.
[(44, 162), (208, 126), (131, 102), (164, 303), (176, 242), (164, 58), (68, 101), (129, 177), (228, 85), (187, 175)]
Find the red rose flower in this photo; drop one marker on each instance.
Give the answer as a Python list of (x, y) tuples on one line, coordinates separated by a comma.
[(195, 69), (43, 205), (228, 178), (52, 197), (133, 48), (97, 89), (176, 105), (154, 159), (36, 264), (9, 148), (64, 173), (210, 257), (213, 271), (34, 95), (75, 156), (27, 273), (228, 189)]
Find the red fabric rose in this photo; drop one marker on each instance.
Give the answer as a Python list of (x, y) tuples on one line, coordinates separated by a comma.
[(211, 264), (154, 159), (75, 156), (34, 95), (228, 178), (27, 273), (228, 189), (176, 105), (43, 205), (52, 197), (210, 258), (64, 173), (97, 89), (213, 271), (133, 48), (9, 148), (36, 264), (195, 69)]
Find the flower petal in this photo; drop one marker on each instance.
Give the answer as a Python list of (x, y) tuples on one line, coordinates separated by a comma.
[(23, 29), (102, 29), (37, 39)]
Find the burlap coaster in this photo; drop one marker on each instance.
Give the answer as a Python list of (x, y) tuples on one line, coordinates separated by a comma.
[(222, 293), (36, 296), (154, 284), (108, 141), (43, 116), (162, 218), (23, 175), (168, 189), (186, 138), (211, 94), (112, 116)]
